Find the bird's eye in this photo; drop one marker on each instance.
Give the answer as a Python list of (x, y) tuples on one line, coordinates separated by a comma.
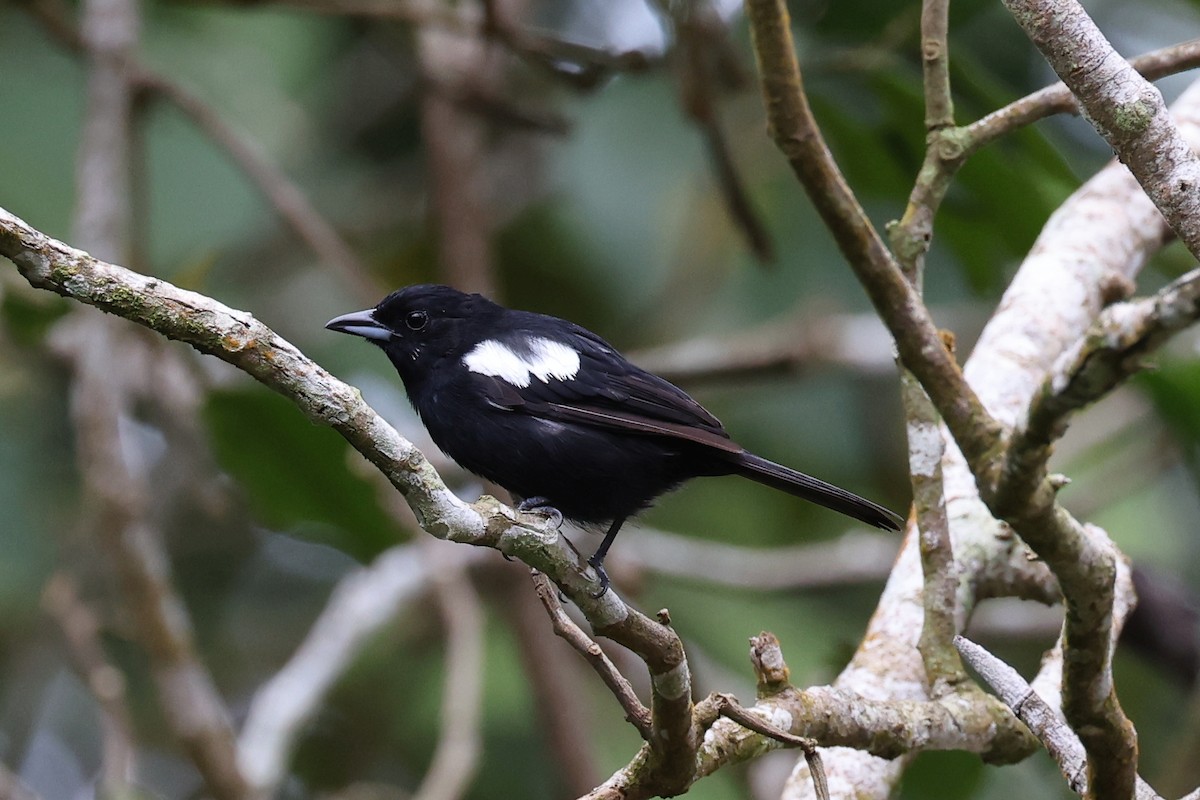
[(416, 320)]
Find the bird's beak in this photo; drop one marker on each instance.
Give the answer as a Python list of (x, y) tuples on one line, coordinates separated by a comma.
[(360, 323)]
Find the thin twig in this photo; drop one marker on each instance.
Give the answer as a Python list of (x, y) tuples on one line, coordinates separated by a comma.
[(636, 713), (1057, 98), (935, 61), (557, 680), (727, 706)]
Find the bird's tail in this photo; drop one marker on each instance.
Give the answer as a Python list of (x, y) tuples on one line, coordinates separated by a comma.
[(814, 490)]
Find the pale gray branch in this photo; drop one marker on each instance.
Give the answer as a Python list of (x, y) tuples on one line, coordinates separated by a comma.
[(1044, 721)]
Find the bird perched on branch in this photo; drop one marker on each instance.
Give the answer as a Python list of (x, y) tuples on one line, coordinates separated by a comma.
[(554, 414)]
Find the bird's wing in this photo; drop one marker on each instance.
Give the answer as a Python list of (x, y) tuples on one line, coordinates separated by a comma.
[(607, 391)]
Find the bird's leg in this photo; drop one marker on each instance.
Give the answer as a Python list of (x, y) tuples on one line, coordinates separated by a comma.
[(541, 505), (597, 560)]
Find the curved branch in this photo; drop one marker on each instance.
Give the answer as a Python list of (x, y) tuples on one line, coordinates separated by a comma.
[(792, 126), (241, 340), (1125, 108), (1045, 723)]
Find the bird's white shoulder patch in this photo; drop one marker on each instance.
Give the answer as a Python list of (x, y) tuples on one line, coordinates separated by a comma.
[(544, 360)]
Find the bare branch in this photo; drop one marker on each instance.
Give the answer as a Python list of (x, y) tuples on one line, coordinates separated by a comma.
[(935, 60), (240, 339), (1057, 99), (1125, 108), (796, 133), (636, 713), (727, 706), (558, 682), (1045, 723)]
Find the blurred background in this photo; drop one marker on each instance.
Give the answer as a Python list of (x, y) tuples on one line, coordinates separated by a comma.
[(604, 162)]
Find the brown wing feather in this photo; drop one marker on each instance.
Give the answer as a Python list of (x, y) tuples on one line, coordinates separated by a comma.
[(633, 423)]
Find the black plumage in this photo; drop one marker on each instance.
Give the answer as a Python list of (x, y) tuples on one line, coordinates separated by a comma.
[(553, 413)]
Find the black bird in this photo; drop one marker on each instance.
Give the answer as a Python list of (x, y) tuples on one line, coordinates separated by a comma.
[(555, 415)]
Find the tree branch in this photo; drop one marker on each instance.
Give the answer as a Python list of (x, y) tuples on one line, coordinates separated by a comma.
[(1125, 108), (636, 713), (241, 340), (1009, 362), (1057, 98), (1045, 723), (935, 61), (1112, 350), (795, 131)]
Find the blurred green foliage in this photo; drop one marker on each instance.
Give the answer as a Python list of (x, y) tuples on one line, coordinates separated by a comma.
[(618, 225)]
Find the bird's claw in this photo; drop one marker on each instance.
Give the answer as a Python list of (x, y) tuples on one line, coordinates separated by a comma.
[(604, 581), (540, 505)]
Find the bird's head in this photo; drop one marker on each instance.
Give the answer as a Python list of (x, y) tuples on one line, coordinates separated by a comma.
[(418, 326)]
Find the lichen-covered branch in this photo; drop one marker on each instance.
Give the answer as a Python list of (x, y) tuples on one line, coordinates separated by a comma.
[(1057, 98), (935, 61), (1125, 108), (636, 713), (1041, 718), (1112, 350), (948, 148), (939, 593), (792, 126), (1010, 362), (241, 340)]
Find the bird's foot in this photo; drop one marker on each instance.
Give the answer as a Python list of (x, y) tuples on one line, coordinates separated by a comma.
[(598, 565), (540, 505)]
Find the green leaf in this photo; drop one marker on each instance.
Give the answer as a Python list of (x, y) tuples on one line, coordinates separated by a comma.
[(29, 317), (1175, 389), (296, 474)]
